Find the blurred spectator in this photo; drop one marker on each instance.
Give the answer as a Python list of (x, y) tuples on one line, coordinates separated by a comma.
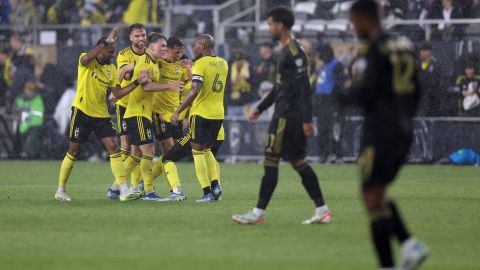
[(430, 75), (29, 108), (446, 31), (64, 12), (141, 11), (23, 64), (4, 11), (53, 82), (329, 80), (240, 90), (23, 13), (63, 109), (266, 69), (468, 84), (475, 10), (5, 79)]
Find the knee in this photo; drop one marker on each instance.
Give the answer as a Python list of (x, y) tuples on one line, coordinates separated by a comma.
[(74, 149)]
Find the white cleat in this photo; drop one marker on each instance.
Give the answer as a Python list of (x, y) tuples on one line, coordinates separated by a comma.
[(325, 218), (413, 253), (62, 196), (128, 194), (248, 218)]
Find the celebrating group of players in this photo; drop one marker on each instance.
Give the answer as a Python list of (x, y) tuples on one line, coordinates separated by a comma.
[(154, 88)]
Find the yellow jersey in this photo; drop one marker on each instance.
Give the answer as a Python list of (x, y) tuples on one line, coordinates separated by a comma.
[(167, 102), (212, 72), (125, 57), (93, 81), (140, 103)]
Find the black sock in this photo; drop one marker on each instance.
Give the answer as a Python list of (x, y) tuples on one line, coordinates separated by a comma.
[(380, 225), (398, 226), (269, 182), (213, 184), (310, 182), (206, 190)]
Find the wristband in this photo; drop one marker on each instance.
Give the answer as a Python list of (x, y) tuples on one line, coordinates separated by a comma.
[(136, 82)]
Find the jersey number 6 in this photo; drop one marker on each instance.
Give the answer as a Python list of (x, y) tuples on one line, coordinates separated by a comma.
[(217, 84)]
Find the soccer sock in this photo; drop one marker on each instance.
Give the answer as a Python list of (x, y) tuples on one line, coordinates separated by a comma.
[(118, 168), (65, 170), (211, 165), (125, 153), (380, 221), (172, 175), (399, 228), (136, 175), (201, 168), (269, 182), (310, 182), (157, 169), (218, 171), (130, 163), (146, 169)]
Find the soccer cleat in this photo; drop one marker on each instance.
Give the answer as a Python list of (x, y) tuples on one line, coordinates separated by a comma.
[(206, 198), (413, 253), (138, 191), (325, 218), (248, 218), (172, 196), (62, 196), (217, 192), (152, 196), (127, 194), (113, 194)]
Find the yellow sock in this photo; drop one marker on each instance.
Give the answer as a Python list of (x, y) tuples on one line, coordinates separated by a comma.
[(125, 153), (201, 168), (218, 171), (118, 168), (130, 163), (65, 169), (146, 169), (211, 165), (136, 175), (172, 175), (157, 169)]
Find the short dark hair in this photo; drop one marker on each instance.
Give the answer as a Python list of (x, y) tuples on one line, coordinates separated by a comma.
[(267, 44), (366, 7), (134, 27), (282, 14), (154, 37), (173, 42)]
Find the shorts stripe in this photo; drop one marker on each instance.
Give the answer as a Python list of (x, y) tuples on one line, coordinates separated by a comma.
[(119, 124), (140, 128), (192, 126), (365, 162), (72, 123), (282, 122), (185, 139)]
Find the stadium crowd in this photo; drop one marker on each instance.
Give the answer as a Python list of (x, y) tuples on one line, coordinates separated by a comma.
[(40, 99)]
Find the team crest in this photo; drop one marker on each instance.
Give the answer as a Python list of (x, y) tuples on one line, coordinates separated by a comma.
[(108, 74), (76, 132), (177, 69), (149, 134), (124, 125)]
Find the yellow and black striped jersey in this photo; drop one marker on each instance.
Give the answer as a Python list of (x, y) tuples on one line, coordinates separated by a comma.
[(125, 57), (140, 103), (212, 72), (93, 81)]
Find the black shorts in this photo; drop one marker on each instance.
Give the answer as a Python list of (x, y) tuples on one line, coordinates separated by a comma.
[(204, 131), (165, 130), (379, 164), (286, 140), (82, 125), (182, 149), (140, 130), (121, 123)]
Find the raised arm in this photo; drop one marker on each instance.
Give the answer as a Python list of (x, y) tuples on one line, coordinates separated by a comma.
[(92, 54)]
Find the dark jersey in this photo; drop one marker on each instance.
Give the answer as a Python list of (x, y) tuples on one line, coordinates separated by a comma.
[(292, 93), (386, 87)]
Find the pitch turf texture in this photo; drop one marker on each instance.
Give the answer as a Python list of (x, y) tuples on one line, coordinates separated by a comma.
[(440, 203)]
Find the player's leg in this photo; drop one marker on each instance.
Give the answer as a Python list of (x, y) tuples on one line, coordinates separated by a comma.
[(310, 182), (171, 172), (178, 151), (213, 169), (65, 170)]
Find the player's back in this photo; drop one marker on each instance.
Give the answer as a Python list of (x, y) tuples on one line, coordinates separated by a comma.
[(212, 72), (391, 88)]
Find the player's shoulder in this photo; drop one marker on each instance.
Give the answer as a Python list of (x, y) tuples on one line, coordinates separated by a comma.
[(295, 48), (210, 61), (125, 51)]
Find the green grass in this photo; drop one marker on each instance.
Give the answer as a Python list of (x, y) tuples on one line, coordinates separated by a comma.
[(440, 203)]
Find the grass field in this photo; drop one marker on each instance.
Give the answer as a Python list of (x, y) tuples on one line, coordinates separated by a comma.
[(440, 203)]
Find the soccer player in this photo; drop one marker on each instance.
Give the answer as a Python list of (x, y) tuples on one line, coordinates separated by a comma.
[(139, 112), (138, 37), (386, 87), (166, 103), (205, 99), (96, 76), (291, 123)]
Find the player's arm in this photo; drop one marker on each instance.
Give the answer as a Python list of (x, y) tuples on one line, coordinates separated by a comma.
[(264, 105), (196, 86), (92, 54), (126, 71), (143, 78), (157, 87), (187, 64)]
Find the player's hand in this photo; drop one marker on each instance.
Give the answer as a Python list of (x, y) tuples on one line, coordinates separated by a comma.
[(174, 119), (177, 86), (308, 130), (113, 36), (112, 98), (144, 76), (185, 63), (254, 115)]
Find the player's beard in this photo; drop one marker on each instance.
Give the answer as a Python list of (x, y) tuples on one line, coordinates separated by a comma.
[(275, 37)]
